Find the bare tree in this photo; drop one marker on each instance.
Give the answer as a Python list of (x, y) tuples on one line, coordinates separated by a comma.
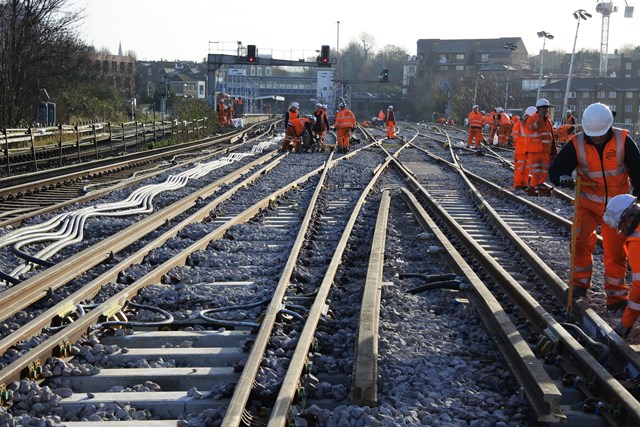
[(39, 49)]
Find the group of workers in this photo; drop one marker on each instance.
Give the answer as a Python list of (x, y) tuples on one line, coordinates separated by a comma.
[(533, 135), (605, 162), (228, 108), (302, 132)]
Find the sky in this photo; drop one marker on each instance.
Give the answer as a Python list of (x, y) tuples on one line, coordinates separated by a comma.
[(191, 29)]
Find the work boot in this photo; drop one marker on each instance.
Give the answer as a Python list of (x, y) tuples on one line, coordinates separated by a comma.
[(620, 305), (621, 330), (579, 292), (532, 191), (543, 191)]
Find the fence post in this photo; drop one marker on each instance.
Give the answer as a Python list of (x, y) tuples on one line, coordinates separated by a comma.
[(95, 140), (6, 150), (124, 143), (110, 139), (78, 141), (144, 136), (136, 125), (33, 149), (60, 145)]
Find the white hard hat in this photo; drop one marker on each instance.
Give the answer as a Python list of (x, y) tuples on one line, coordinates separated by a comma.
[(474, 107), (597, 119), (531, 110), (318, 105), (616, 207), (295, 105), (542, 103), (341, 105), (390, 107), (499, 110)]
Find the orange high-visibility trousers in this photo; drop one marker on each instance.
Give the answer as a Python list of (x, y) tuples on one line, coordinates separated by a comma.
[(391, 128), (475, 133), (343, 134), (538, 165), (520, 170), (615, 260), (632, 312), (503, 134)]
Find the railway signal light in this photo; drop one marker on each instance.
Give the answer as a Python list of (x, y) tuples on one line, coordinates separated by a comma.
[(324, 56), (384, 75), (251, 53)]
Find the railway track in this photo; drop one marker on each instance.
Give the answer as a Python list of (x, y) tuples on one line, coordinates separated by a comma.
[(31, 194), (222, 314)]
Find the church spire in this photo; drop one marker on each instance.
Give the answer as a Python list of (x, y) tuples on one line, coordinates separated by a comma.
[(120, 49)]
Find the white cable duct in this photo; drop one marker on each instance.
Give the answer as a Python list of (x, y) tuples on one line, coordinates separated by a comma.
[(68, 228)]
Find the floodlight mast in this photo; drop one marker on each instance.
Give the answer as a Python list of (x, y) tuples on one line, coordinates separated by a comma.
[(544, 36), (579, 15), (606, 9)]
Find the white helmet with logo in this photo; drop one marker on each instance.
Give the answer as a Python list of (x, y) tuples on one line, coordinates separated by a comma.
[(542, 103), (597, 119), (530, 110), (616, 207)]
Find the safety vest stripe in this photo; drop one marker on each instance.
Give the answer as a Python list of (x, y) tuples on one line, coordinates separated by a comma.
[(613, 280), (633, 305), (635, 275), (616, 293), (593, 197)]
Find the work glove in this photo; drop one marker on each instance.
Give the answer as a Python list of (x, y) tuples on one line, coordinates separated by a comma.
[(566, 181)]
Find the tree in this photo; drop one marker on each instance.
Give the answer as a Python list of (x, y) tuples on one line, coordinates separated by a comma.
[(39, 49)]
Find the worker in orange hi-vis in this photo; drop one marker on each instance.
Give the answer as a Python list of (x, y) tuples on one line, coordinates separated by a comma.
[(623, 215), (320, 125), (345, 123), (390, 120), (569, 119), (540, 146), (520, 169), (504, 127), (475, 127), (493, 124), (606, 161), (296, 128), (564, 133)]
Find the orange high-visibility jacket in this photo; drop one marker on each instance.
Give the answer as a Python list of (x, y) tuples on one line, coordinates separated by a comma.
[(539, 135), (299, 124), (345, 119), (475, 119), (604, 177)]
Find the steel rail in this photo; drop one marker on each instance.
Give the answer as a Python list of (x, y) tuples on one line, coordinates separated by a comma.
[(288, 390), (364, 383), (64, 308), (23, 183), (27, 292), (18, 220), (556, 332), (114, 304), (544, 398)]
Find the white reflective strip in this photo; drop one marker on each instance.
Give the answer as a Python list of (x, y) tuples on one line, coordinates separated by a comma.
[(635, 276), (613, 280), (633, 305), (584, 281), (616, 293), (577, 269), (592, 197)]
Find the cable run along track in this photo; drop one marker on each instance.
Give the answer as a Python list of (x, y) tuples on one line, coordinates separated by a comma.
[(290, 270)]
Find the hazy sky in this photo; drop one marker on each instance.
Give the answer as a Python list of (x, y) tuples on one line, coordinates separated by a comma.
[(190, 29)]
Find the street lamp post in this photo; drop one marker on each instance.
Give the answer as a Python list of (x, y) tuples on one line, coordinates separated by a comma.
[(544, 36), (579, 15), (475, 90), (511, 47)]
